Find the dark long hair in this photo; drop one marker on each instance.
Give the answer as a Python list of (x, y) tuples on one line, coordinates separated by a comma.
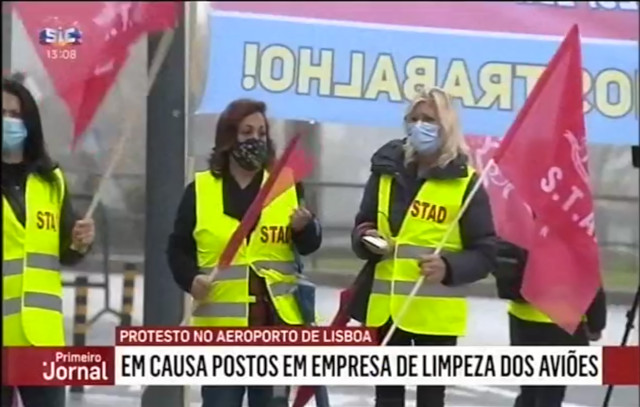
[(35, 155), (227, 133)]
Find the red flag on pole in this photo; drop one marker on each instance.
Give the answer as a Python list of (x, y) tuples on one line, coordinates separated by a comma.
[(544, 156), (84, 45), (90, 95), (298, 167), (511, 215)]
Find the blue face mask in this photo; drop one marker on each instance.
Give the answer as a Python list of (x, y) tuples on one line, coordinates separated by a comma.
[(424, 137), (14, 133)]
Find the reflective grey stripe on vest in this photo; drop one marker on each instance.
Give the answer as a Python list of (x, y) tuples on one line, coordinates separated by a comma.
[(284, 267), (228, 273), (425, 290), (34, 260), (278, 289), (409, 251), (406, 251), (222, 310), (240, 272), (429, 289), (12, 267), (47, 302), (43, 261), (11, 306)]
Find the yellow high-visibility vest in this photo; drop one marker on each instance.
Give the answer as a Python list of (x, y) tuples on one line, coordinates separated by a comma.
[(436, 309), (527, 312), (269, 254), (31, 280)]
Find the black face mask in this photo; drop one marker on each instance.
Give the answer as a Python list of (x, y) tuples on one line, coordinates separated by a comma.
[(250, 154)]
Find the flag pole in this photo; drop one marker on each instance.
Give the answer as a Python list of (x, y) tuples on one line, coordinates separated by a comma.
[(156, 63), (418, 284)]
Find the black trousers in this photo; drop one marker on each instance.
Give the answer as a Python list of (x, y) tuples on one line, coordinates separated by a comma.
[(527, 333), (428, 396), (233, 396), (35, 396)]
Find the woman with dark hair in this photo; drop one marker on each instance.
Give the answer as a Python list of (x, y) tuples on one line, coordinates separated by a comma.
[(257, 288), (39, 233)]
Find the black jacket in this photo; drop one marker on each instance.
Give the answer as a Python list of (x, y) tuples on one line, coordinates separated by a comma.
[(477, 232), (597, 312)]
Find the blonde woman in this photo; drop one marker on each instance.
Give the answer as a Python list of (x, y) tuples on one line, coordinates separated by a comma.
[(416, 188)]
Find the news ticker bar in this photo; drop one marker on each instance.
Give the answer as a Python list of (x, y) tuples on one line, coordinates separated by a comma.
[(268, 336), (321, 365)]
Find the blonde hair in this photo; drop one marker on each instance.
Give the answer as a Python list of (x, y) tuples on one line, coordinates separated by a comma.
[(453, 143)]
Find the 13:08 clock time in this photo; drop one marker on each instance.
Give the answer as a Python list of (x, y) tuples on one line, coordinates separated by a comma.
[(61, 54)]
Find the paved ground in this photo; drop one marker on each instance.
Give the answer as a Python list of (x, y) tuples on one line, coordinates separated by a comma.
[(363, 397), (488, 327)]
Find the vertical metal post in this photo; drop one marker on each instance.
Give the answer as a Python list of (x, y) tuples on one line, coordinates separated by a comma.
[(128, 293), (165, 164), (310, 140), (80, 318), (313, 147), (7, 38)]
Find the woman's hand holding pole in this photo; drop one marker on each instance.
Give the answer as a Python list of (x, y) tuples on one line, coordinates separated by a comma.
[(450, 229)]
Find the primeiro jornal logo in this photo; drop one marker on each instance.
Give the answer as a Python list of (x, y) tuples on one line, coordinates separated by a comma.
[(79, 366), (59, 366)]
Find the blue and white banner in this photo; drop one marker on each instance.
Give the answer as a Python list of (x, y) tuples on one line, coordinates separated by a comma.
[(363, 74)]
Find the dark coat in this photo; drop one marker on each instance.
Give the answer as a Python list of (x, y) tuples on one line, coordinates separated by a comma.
[(473, 263)]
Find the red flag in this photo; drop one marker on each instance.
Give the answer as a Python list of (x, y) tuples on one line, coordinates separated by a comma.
[(84, 45), (544, 156), (511, 215), (91, 95), (298, 167)]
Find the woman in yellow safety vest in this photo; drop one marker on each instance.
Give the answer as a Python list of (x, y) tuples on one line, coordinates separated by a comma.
[(39, 233), (415, 191), (258, 287)]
